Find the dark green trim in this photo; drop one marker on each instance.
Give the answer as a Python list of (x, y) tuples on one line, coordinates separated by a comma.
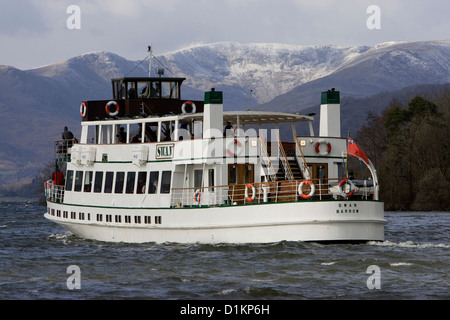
[(215, 206)]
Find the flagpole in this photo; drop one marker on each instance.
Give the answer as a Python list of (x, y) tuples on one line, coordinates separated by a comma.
[(346, 159)]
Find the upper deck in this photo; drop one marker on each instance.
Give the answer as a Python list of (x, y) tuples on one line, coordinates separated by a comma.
[(137, 97)]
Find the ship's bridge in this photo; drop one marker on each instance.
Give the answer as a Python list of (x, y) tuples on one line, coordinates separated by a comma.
[(139, 97)]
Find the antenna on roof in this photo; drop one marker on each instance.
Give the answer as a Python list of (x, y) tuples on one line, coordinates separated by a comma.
[(150, 53), (249, 99)]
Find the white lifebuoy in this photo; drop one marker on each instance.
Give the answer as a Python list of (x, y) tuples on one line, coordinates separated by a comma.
[(188, 103), (197, 195), (342, 188), (230, 147), (83, 109), (115, 111), (311, 193), (252, 187), (327, 151)]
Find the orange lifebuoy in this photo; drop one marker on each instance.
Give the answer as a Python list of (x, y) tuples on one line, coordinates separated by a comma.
[(318, 149), (114, 111), (250, 186), (197, 195), (311, 193), (342, 188), (83, 109), (230, 147)]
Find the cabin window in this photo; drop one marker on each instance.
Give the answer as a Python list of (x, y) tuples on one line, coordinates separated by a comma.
[(154, 177), (120, 179), (142, 182), (198, 176), (109, 182), (78, 180), (98, 182), (131, 178), (232, 172), (88, 181), (165, 181), (69, 180), (211, 178)]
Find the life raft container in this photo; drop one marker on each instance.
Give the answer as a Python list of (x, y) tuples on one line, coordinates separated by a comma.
[(342, 191), (191, 104), (323, 153), (112, 108), (311, 193), (252, 187)]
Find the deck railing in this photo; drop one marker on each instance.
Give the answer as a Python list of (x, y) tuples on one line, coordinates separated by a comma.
[(61, 149), (53, 192), (273, 191)]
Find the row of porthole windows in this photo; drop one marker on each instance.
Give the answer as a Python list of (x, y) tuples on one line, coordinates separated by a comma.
[(130, 182), (108, 217)]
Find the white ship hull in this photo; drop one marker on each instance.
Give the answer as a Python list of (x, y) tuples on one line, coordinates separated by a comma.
[(327, 221)]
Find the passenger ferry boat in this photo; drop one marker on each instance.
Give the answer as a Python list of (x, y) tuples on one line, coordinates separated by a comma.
[(151, 167)]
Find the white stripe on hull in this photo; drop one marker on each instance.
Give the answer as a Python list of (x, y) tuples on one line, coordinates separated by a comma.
[(306, 221)]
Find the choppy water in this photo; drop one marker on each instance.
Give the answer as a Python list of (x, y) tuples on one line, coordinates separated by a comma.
[(413, 263)]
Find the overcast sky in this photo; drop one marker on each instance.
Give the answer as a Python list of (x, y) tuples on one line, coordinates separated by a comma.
[(35, 33)]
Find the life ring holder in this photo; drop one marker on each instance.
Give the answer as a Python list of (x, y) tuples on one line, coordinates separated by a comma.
[(311, 193), (341, 186), (188, 103), (197, 196), (323, 153), (230, 147), (108, 110), (48, 191), (252, 187), (83, 109)]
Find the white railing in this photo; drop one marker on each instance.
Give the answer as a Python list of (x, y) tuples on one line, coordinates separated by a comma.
[(266, 163), (54, 193), (273, 191)]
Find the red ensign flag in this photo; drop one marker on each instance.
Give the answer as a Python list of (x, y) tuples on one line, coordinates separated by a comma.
[(353, 149)]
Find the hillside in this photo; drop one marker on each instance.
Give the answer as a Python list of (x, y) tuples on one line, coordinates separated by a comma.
[(36, 104), (383, 68)]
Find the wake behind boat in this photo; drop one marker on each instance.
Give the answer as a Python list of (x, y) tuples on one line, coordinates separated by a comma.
[(151, 167)]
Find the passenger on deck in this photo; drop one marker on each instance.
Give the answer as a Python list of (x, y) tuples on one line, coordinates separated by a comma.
[(68, 135), (122, 135), (137, 137), (228, 130)]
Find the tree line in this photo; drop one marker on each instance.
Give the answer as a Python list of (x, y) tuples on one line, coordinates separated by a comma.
[(409, 144)]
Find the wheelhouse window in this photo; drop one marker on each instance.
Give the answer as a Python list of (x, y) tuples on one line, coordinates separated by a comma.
[(69, 180), (78, 181), (142, 182), (88, 181), (109, 177), (154, 177), (165, 181), (98, 182), (120, 179), (131, 178)]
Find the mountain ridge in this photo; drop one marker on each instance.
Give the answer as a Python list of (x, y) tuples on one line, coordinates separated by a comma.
[(36, 104)]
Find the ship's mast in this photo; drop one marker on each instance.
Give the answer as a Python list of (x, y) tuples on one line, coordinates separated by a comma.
[(150, 60)]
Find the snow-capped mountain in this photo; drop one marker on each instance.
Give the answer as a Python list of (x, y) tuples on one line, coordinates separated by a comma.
[(268, 69), (383, 68), (36, 104)]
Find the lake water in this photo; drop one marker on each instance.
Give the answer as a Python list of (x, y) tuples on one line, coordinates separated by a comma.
[(35, 254)]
